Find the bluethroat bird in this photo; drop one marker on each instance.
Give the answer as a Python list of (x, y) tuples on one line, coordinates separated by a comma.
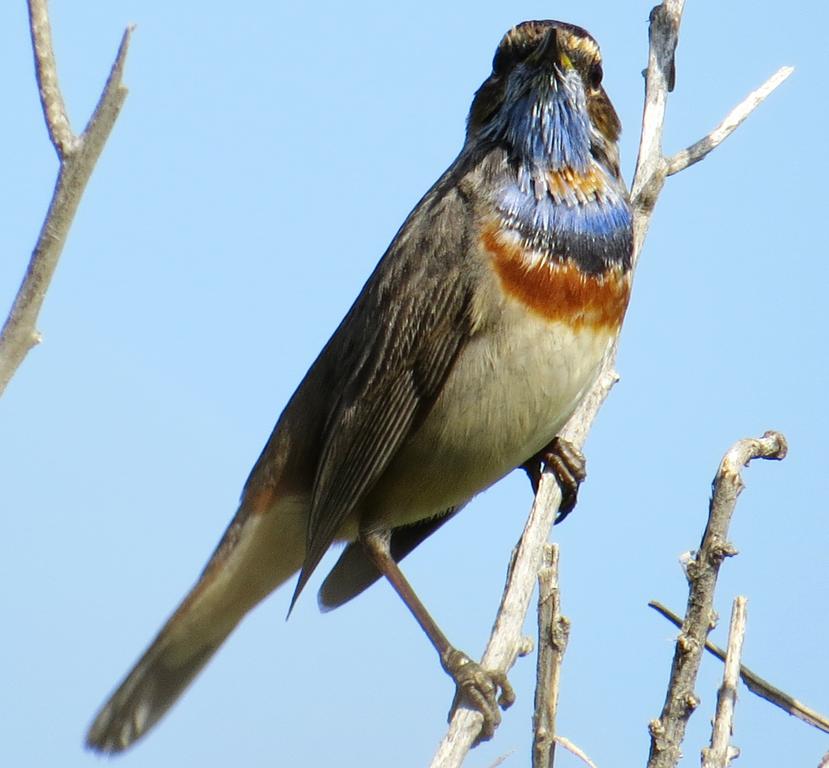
[(473, 341)]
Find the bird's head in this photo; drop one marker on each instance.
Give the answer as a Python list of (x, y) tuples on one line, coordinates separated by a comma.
[(544, 99)]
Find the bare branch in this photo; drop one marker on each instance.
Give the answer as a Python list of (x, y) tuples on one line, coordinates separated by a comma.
[(668, 731), (756, 684), (46, 70), (699, 151), (502, 759), (577, 751), (660, 76), (721, 753), (77, 155), (652, 168), (108, 108), (553, 632)]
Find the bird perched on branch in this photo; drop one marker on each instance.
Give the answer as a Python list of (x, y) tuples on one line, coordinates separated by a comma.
[(469, 347)]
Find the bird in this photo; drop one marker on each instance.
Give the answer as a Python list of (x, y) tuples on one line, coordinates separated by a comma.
[(475, 338)]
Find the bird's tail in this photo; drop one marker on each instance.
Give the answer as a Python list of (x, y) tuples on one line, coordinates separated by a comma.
[(259, 551)]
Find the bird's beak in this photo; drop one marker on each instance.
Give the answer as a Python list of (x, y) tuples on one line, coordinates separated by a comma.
[(546, 51)]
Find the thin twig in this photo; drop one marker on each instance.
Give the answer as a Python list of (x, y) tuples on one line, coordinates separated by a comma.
[(502, 759), (651, 172), (46, 71), (720, 753), (77, 155), (756, 684), (577, 751), (668, 731), (824, 761), (553, 632), (649, 177), (699, 151)]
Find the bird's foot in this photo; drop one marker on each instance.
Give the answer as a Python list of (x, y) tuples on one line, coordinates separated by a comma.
[(568, 465), (477, 688)]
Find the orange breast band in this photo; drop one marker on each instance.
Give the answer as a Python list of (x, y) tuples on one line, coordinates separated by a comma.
[(557, 291)]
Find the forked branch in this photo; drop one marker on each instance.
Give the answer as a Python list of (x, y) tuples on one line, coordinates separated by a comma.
[(702, 570), (756, 684), (77, 156)]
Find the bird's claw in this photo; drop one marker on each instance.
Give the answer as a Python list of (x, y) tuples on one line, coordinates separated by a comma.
[(477, 688), (568, 465)]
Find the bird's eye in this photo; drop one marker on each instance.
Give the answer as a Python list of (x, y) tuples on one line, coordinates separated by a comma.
[(594, 76)]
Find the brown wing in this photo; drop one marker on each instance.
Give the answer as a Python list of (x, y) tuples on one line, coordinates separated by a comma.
[(396, 346)]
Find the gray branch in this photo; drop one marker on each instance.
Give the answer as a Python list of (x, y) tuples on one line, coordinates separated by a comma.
[(77, 156), (699, 151), (651, 171), (680, 702), (720, 753), (756, 684), (553, 632), (575, 750)]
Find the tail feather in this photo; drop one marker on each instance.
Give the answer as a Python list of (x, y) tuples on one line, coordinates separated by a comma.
[(150, 689), (257, 553)]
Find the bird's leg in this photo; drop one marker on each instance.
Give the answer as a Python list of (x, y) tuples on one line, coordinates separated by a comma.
[(568, 465), (474, 686)]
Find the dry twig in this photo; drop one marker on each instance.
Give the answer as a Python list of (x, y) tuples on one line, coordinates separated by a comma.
[(721, 753), (651, 172), (553, 631), (575, 750), (668, 731), (699, 151), (77, 156), (756, 684)]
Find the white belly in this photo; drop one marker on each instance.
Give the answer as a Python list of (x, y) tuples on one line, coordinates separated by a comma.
[(507, 397)]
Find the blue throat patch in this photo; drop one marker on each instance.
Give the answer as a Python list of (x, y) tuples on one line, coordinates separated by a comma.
[(548, 131)]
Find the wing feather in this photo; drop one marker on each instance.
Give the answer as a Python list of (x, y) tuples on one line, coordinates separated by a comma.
[(398, 345)]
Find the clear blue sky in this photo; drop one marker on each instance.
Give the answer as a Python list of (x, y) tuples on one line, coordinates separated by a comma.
[(263, 161)]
